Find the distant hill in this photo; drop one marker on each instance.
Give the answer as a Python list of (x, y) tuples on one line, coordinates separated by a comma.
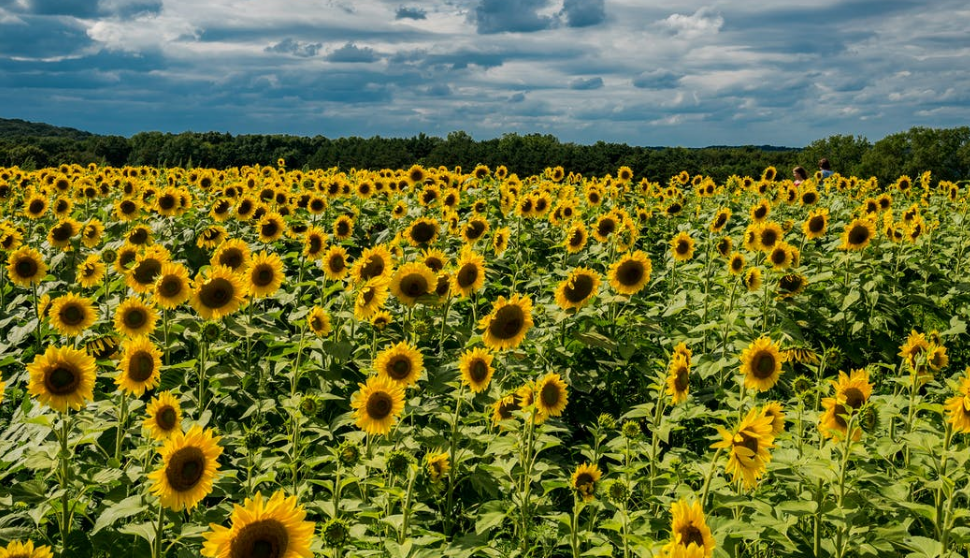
[(16, 128)]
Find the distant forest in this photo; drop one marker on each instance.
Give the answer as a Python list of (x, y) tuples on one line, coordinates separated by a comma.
[(945, 152)]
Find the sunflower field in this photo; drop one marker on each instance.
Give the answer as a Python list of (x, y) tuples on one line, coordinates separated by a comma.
[(427, 362)]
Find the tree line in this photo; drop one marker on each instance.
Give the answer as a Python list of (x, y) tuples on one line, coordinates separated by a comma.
[(944, 152)]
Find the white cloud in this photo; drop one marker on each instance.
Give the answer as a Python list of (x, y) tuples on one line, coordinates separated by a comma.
[(702, 23)]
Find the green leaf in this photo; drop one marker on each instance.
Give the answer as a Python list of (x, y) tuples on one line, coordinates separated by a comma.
[(491, 515), (126, 508)]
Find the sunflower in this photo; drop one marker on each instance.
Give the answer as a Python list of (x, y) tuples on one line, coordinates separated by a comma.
[(164, 416), (274, 527), (748, 446), (438, 465), (412, 281), (35, 206), (146, 269), (435, 259), (474, 230), (551, 396), (314, 243), (689, 534), (26, 267), (61, 234), (401, 364), (576, 237), (62, 377), (233, 253), (761, 364), (373, 262), (217, 293), (189, 465), (752, 279), (857, 234), (343, 227), (91, 233), (476, 368), (682, 247), (423, 231), (958, 406), (124, 257), (777, 414), (584, 481), (720, 219), (140, 366), (509, 321), (134, 318), (71, 314), (271, 227), (18, 549), (503, 408), (736, 263), (335, 263), (791, 285), (370, 298), (319, 321), (678, 378), (172, 286), (769, 234), (91, 271), (470, 274), (629, 274), (816, 223), (211, 237), (265, 274), (852, 391), (605, 226), (377, 404), (578, 289)]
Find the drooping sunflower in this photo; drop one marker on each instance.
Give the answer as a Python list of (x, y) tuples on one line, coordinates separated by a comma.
[(774, 410), (678, 378), (140, 366), (274, 527), (334, 263), (370, 298), (752, 279), (748, 447), (233, 253), (412, 281), (438, 465), (506, 326), (164, 416), (134, 318), (217, 293), (689, 534), (469, 275), (401, 364), (958, 406), (189, 467), (852, 391), (376, 261), (551, 396), (62, 377), (761, 364), (578, 289), (19, 549), (265, 274), (791, 285), (91, 271), (423, 231), (172, 286), (500, 240), (682, 247), (71, 314), (629, 274), (26, 267), (319, 321), (377, 405), (476, 368), (858, 234), (585, 480)]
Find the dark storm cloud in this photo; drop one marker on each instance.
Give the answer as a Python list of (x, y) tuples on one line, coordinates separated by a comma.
[(406, 12), (584, 13), (517, 16), (352, 53)]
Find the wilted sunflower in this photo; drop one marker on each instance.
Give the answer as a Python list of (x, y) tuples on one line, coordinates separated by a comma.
[(682, 247), (274, 528), (777, 414), (140, 366), (506, 326), (376, 261), (370, 298), (761, 364), (189, 466), (319, 321), (438, 465), (857, 234), (852, 391), (629, 274), (91, 271), (217, 293), (62, 377), (752, 279), (134, 318), (578, 289), (18, 549), (584, 481), (377, 404), (423, 231), (265, 274), (233, 253), (576, 237), (958, 406), (748, 447), (26, 267), (71, 314), (690, 536), (791, 285), (469, 275), (334, 263), (172, 286), (401, 364), (164, 416), (678, 378), (476, 368), (551, 396)]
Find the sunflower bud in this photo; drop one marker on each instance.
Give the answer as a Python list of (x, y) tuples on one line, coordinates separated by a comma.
[(336, 532), (210, 332), (398, 462), (606, 421), (348, 453), (631, 429)]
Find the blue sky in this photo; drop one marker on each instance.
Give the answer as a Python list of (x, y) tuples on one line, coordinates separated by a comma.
[(691, 73)]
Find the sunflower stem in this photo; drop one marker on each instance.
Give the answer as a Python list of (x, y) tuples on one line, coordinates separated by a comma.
[(203, 355), (157, 547), (655, 439), (942, 532), (165, 334), (406, 511), (122, 419), (452, 450), (526, 484), (444, 323), (842, 532), (36, 313), (65, 458), (707, 479), (574, 525)]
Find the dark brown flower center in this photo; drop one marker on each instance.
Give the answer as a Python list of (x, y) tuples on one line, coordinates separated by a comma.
[(185, 468), (269, 229), (147, 270), (141, 366), (379, 405), (691, 535), (507, 323), (263, 275), (170, 286), (858, 235), (336, 263), (579, 289), (166, 418), (760, 212), (217, 293), (434, 263), (343, 228), (232, 258), (769, 237), (467, 275), (72, 314), (474, 229), (36, 207), (683, 247), (550, 395), (135, 318), (62, 232), (478, 371), (763, 365), (64, 379), (414, 285), (266, 538), (399, 367), (606, 226), (681, 381), (854, 397), (816, 224), (423, 231), (630, 273), (167, 202)]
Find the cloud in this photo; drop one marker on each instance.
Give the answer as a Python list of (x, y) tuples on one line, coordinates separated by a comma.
[(406, 12), (350, 53), (700, 23), (294, 47), (515, 16), (656, 79), (581, 84), (583, 13)]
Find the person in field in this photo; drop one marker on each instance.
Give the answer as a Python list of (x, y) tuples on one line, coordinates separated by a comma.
[(800, 174)]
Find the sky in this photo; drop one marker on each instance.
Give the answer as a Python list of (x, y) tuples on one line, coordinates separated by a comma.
[(691, 73)]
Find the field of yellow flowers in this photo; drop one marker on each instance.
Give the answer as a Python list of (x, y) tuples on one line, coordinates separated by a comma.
[(427, 362)]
